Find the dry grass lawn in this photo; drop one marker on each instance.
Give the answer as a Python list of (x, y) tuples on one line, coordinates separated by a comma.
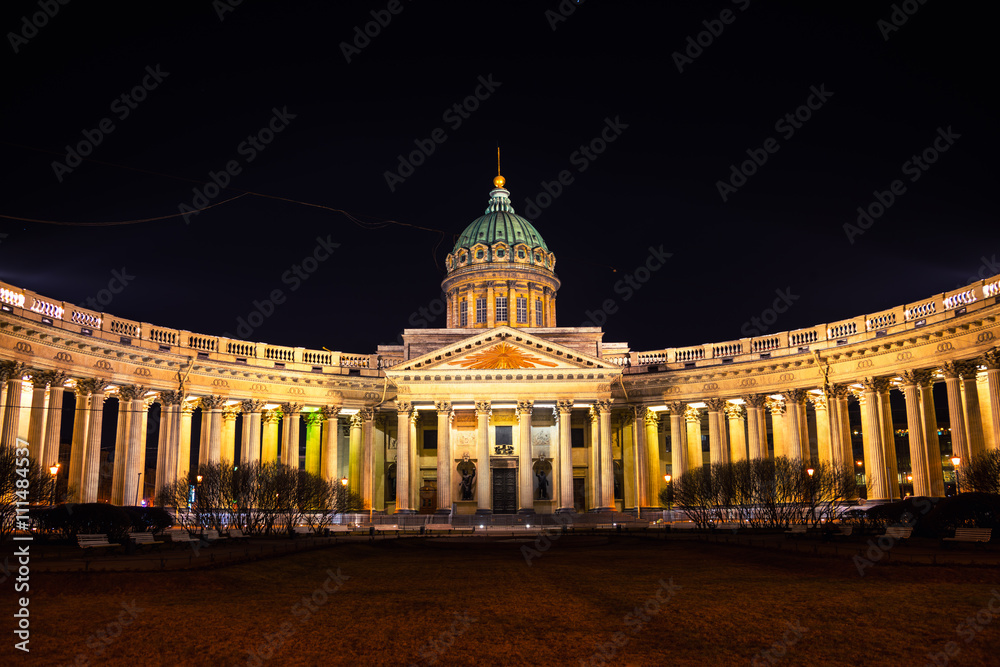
[(413, 601)]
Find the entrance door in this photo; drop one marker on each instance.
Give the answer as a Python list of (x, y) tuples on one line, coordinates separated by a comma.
[(579, 494), (428, 497), (504, 490)]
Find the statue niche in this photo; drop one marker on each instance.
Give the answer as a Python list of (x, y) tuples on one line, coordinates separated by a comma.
[(467, 482)]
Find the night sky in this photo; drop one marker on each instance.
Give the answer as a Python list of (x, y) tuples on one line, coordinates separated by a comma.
[(338, 108)]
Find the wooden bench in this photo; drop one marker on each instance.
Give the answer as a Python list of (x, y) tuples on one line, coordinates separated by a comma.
[(95, 541), (899, 532), (974, 535), (236, 534), (179, 536), (144, 539), (796, 529), (212, 535)]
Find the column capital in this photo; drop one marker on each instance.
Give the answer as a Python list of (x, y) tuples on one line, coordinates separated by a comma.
[(917, 376), (715, 404), (12, 370), (652, 417), (736, 411), (90, 386), (776, 408), (483, 407), (212, 402), (356, 420), (313, 418), (818, 401), (991, 358), (367, 413), (251, 405), (876, 384), (290, 409), (442, 406), (565, 406), (330, 411), (130, 392), (967, 368), (51, 378), (404, 407), (229, 412), (603, 407), (525, 408), (168, 398), (795, 396), (187, 407), (692, 415), (272, 416), (755, 400), (839, 391)]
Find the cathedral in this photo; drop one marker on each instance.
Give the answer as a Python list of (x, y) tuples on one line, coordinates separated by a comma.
[(502, 411)]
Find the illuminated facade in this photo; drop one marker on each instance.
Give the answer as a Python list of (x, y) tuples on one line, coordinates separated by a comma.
[(501, 411)]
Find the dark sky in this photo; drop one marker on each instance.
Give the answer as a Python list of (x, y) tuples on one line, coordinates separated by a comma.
[(552, 91)]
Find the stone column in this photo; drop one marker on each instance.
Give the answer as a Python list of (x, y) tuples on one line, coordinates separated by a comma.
[(654, 474), (992, 361), (53, 420), (974, 421), (36, 417), (368, 457), (640, 462), (184, 439), (678, 440), (839, 395), (126, 415), (778, 428), (531, 304), (228, 445), (915, 429), (928, 418), (166, 449), (757, 436), (878, 483), (11, 373), (90, 467), (355, 455), (330, 453), (888, 442), (716, 452), (526, 491), (794, 446), (565, 409), (824, 428), (956, 416), (81, 418), (511, 302), (290, 437), (314, 431), (416, 478), (737, 432), (404, 411), (211, 406), (491, 307), (484, 498), (135, 448), (552, 310), (694, 453), (250, 435), (269, 420), (594, 461), (444, 462), (607, 497)]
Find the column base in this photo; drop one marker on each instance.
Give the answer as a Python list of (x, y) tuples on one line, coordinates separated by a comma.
[(603, 509), (526, 511), (406, 512), (442, 512), (566, 510), (483, 512)]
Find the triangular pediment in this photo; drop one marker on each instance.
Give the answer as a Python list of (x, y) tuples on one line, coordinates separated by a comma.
[(503, 349)]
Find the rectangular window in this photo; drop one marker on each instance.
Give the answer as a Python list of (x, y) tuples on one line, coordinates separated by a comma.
[(538, 312), (463, 313), (480, 310), (522, 310), (576, 437), (501, 309), (430, 439), (504, 440)]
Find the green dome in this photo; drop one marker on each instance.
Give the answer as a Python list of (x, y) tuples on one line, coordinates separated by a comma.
[(500, 223)]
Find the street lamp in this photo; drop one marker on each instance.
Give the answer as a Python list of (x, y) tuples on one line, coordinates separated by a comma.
[(812, 494), (54, 471), (955, 460), (670, 496)]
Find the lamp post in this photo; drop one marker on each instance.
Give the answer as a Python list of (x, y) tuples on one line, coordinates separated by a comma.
[(812, 494), (343, 497), (138, 476), (197, 500), (670, 496), (955, 460), (54, 471)]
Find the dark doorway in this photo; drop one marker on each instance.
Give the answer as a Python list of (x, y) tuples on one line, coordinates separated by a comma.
[(504, 490)]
